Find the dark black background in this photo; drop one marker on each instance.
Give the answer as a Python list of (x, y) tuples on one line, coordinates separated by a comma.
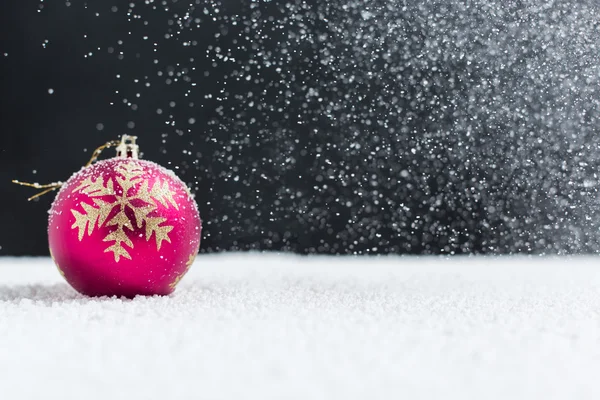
[(332, 127)]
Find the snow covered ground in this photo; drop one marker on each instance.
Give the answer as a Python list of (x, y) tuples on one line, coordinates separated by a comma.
[(259, 326)]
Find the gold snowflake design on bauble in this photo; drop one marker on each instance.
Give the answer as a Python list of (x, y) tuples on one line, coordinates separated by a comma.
[(142, 202), (188, 265)]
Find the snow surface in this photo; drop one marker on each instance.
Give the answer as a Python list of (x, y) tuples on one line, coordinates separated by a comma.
[(253, 326)]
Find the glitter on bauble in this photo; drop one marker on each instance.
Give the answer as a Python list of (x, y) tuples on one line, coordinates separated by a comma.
[(124, 227)]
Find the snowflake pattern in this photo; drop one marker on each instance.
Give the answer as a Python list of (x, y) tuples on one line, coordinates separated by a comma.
[(188, 265), (142, 202)]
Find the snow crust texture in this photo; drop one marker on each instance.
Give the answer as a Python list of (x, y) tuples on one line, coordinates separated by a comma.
[(250, 326)]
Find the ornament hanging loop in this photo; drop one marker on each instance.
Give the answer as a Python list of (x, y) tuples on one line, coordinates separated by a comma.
[(100, 149), (47, 188), (126, 147)]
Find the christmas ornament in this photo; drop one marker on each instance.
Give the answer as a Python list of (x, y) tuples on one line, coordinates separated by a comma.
[(123, 226)]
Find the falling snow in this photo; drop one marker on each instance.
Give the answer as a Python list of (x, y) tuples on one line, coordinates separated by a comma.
[(373, 126)]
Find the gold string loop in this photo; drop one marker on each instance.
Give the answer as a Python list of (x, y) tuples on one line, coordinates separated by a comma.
[(96, 154), (57, 185), (48, 188)]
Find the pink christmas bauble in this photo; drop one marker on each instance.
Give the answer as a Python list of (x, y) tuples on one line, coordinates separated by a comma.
[(124, 227)]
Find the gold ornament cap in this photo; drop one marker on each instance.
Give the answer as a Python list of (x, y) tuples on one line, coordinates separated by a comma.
[(128, 148)]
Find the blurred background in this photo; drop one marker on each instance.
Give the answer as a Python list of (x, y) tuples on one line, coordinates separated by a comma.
[(331, 127)]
